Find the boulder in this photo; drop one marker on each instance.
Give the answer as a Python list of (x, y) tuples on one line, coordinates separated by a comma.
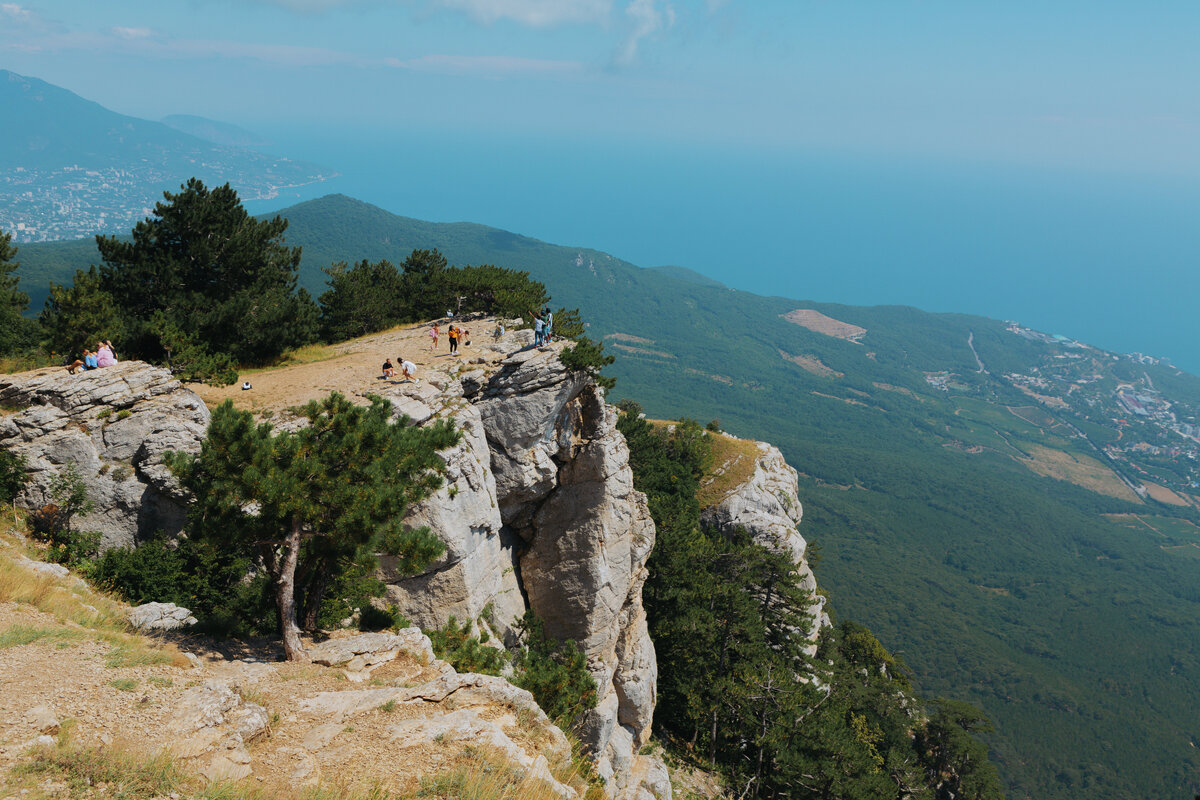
[(160, 617)]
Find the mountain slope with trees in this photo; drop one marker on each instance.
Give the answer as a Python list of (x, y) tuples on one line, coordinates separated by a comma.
[(953, 506)]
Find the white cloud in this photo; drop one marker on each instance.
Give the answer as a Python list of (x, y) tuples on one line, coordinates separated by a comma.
[(648, 19), (14, 11), (132, 33), (536, 13)]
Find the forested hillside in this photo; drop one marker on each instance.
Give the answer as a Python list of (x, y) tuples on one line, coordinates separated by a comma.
[(987, 499)]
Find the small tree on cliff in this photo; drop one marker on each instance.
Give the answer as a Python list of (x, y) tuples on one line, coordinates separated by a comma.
[(307, 503)]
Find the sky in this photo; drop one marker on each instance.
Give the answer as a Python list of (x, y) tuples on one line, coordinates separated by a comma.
[(1035, 161), (1095, 85)]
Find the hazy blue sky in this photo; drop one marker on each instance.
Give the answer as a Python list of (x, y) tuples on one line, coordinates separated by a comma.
[(1096, 84), (1036, 161)]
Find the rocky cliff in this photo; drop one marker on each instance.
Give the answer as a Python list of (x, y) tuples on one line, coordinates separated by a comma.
[(114, 425), (538, 509), (767, 506)]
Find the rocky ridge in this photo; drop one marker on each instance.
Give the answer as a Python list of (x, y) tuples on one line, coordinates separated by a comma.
[(538, 509)]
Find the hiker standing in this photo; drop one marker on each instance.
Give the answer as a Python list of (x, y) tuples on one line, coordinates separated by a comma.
[(539, 329), (433, 337)]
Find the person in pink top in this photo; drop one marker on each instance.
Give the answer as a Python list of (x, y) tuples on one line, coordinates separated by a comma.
[(104, 355), (433, 336)]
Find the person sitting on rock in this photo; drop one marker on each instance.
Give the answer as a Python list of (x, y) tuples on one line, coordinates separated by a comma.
[(89, 360), (104, 354), (408, 370), (388, 370), (77, 363)]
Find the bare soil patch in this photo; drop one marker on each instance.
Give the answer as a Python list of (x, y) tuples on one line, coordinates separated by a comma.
[(818, 322), (1080, 470), (811, 364), (355, 368)]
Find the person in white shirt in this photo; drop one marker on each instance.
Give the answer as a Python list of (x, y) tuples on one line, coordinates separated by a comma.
[(408, 370)]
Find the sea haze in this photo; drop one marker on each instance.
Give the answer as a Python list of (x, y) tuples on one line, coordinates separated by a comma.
[(1108, 259)]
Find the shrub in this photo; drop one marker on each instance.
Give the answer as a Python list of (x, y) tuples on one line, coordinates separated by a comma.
[(191, 574), (466, 653), (12, 475), (555, 673), (588, 356)]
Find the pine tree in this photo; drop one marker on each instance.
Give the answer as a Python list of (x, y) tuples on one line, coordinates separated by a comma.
[(79, 315), (308, 502), (13, 302), (210, 269)]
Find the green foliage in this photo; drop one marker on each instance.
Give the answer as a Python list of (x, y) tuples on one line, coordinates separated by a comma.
[(588, 356), (12, 475), (190, 573), (14, 329), (727, 617), (190, 358), (361, 300), (52, 522), (955, 760), (554, 672), (323, 496), (464, 650), (203, 266), (77, 316)]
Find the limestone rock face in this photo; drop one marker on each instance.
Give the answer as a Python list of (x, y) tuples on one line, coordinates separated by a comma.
[(476, 578), (767, 506), (539, 511), (114, 424)]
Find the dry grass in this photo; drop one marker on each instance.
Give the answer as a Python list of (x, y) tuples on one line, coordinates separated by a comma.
[(1164, 495), (81, 611), (731, 464), (127, 774), (1080, 470), (479, 777), (309, 354)]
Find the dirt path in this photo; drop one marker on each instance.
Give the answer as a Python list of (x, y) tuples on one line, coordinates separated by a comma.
[(354, 368)]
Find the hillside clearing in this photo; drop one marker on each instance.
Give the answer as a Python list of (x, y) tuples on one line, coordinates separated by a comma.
[(819, 323), (1081, 470)]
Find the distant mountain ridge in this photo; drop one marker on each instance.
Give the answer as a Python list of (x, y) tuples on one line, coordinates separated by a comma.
[(215, 131), (961, 475), (70, 167)]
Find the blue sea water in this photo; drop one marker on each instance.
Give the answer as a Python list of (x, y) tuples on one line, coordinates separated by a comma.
[(1108, 259)]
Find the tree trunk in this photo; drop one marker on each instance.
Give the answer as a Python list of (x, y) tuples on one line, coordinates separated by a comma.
[(285, 595), (313, 594)]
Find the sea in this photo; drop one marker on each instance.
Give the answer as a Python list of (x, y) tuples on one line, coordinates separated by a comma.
[(1107, 258)]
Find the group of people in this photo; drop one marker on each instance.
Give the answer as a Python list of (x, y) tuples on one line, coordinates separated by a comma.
[(408, 370), (543, 323), (455, 334), (103, 356)]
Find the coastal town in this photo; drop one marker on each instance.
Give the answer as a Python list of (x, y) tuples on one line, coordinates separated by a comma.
[(74, 201), (1137, 413)]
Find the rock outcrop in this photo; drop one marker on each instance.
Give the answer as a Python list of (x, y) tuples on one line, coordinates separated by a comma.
[(767, 506), (538, 509), (113, 424), (539, 512)]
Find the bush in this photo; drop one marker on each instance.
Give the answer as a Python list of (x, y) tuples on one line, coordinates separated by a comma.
[(190, 574), (12, 475), (588, 356), (466, 652), (555, 673)]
